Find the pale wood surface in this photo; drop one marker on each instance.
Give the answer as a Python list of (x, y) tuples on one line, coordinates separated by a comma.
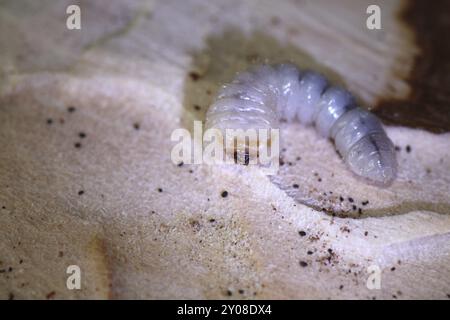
[(130, 64)]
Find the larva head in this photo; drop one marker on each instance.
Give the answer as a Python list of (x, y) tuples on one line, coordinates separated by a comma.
[(244, 144), (373, 158)]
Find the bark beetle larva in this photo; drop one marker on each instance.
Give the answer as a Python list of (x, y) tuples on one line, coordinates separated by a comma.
[(260, 97)]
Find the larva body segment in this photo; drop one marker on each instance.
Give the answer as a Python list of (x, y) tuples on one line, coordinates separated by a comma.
[(260, 97), (367, 150), (312, 86)]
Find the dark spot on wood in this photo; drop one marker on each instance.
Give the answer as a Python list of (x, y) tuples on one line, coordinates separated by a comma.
[(197, 107), (160, 190), (195, 224), (11, 296), (136, 126), (303, 264), (295, 186), (341, 287), (180, 164), (77, 145), (309, 252), (408, 148), (393, 269), (241, 291), (366, 233), (71, 109), (397, 148), (60, 254), (82, 135), (365, 203), (341, 199), (302, 233), (229, 293), (81, 192), (224, 194), (50, 295), (194, 75), (350, 199), (49, 121)]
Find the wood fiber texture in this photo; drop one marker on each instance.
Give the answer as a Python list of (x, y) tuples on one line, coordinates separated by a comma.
[(86, 176)]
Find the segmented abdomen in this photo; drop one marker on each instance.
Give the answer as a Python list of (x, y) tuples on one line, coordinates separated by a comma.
[(262, 96)]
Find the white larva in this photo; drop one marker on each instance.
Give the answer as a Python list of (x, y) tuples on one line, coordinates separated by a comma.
[(262, 96)]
